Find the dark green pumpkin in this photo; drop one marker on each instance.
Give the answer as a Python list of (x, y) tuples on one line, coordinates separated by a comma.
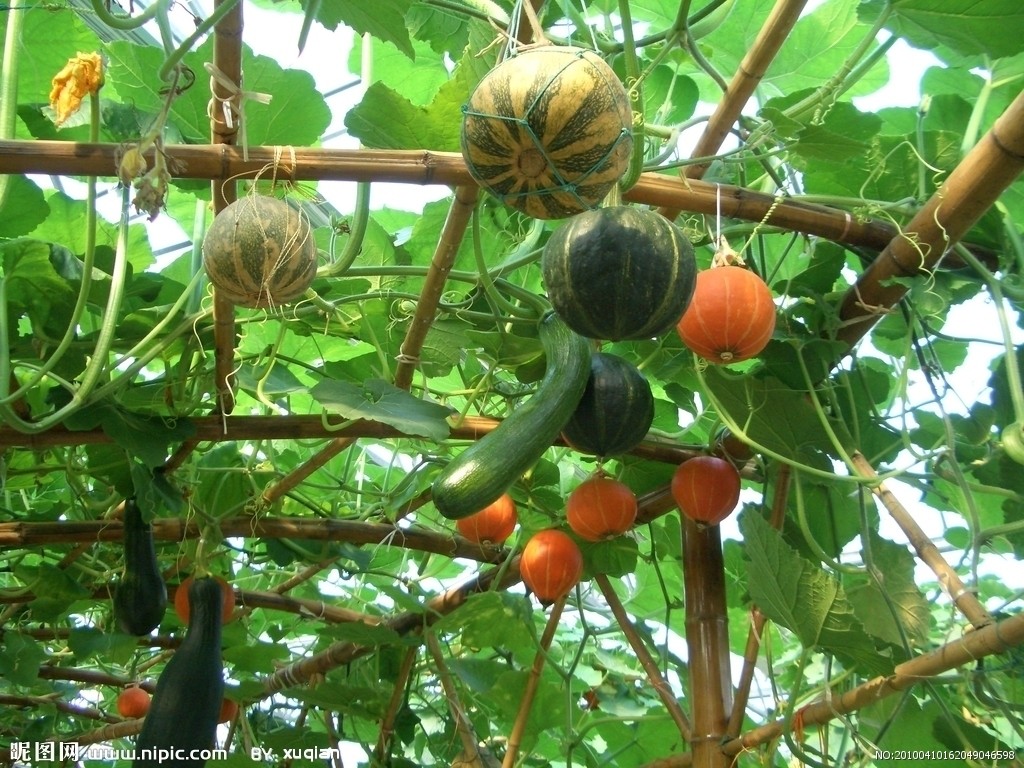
[(619, 273), (616, 411), (140, 598), (189, 693)]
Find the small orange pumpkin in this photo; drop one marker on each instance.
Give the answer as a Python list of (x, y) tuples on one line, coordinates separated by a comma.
[(492, 524), (731, 316), (706, 488), (133, 702), (601, 508), (551, 564)]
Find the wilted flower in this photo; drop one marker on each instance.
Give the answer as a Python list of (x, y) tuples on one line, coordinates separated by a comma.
[(131, 164), (81, 76)]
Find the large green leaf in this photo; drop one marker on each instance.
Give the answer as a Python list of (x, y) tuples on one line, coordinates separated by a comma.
[(296, 114), (384, 19), (754, 404), (800, 596), (968, 27), (143, 436), (890, 606), (22, 208), (34, 287), (377, 400)]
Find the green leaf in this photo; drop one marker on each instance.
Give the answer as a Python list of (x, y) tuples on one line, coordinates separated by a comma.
[(256, 655), (377, 400), (754, 404), (892, 609), (86, 642), (384, 19), (416, 79), (278, 380), (34, 286), (21, 658), (385, 119), (296, 114), (23, 208), (991, 28), (796, 594), (489, 619), (143, 436)]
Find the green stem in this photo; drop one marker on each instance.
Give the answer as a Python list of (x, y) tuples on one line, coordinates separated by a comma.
[(357, 232), (805, 528), (536, 307), (125, 23), (9, 84), (977, 114), (635, 86)]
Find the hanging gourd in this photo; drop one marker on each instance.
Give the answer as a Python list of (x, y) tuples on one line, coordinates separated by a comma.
[(619, 272), (260, 252), (548, 131), (551, 564), (732, 314)]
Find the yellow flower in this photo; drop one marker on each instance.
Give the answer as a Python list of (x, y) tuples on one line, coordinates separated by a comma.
[(81, 76)]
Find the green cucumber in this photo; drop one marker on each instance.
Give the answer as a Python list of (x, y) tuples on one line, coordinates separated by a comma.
[(486, 469), (140, 599), (182, 718)]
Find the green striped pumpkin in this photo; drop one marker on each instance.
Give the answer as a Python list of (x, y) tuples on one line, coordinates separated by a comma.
[(619, 273), (548, 131), (616, 410), (260, 252)]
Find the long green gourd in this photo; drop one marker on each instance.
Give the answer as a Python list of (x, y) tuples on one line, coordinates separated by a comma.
[(486, 469)]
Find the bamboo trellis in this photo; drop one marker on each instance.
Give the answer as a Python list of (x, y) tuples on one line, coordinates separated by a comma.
[(713, 725)]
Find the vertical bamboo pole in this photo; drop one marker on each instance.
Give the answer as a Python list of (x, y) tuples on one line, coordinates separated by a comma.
[(707, 641), (224, 116)]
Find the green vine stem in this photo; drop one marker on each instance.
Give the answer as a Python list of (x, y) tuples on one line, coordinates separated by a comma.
[(1013, 434), (535, 306), (9, 84), (125, 23), (6, 396), (357, 232), (635, 88)]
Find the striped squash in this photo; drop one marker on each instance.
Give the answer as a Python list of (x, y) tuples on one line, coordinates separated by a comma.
[(619, 273), (616, 411), (548, 131), (260, 252)]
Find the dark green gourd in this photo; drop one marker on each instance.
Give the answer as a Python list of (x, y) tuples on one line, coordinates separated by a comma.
[(186, 704), (140, 599)]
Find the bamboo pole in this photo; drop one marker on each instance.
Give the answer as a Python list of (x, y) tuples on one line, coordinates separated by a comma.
[(971, 189), (231, 428), (658, 681), (963, 598), (445, 252), (515, 738), (289, 482), (382, 751), (227, 58), (424, 167), (34, 534), (707, 641)]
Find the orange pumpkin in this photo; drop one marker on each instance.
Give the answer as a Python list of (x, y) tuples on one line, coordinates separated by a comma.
[(706, 488), (492, 524), (601, 508), (551, 564), (133, 702), (731, 316)]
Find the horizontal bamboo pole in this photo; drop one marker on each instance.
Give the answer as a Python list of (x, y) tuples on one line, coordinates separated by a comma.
[(424, 167), (32, 534), (229, 428)]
